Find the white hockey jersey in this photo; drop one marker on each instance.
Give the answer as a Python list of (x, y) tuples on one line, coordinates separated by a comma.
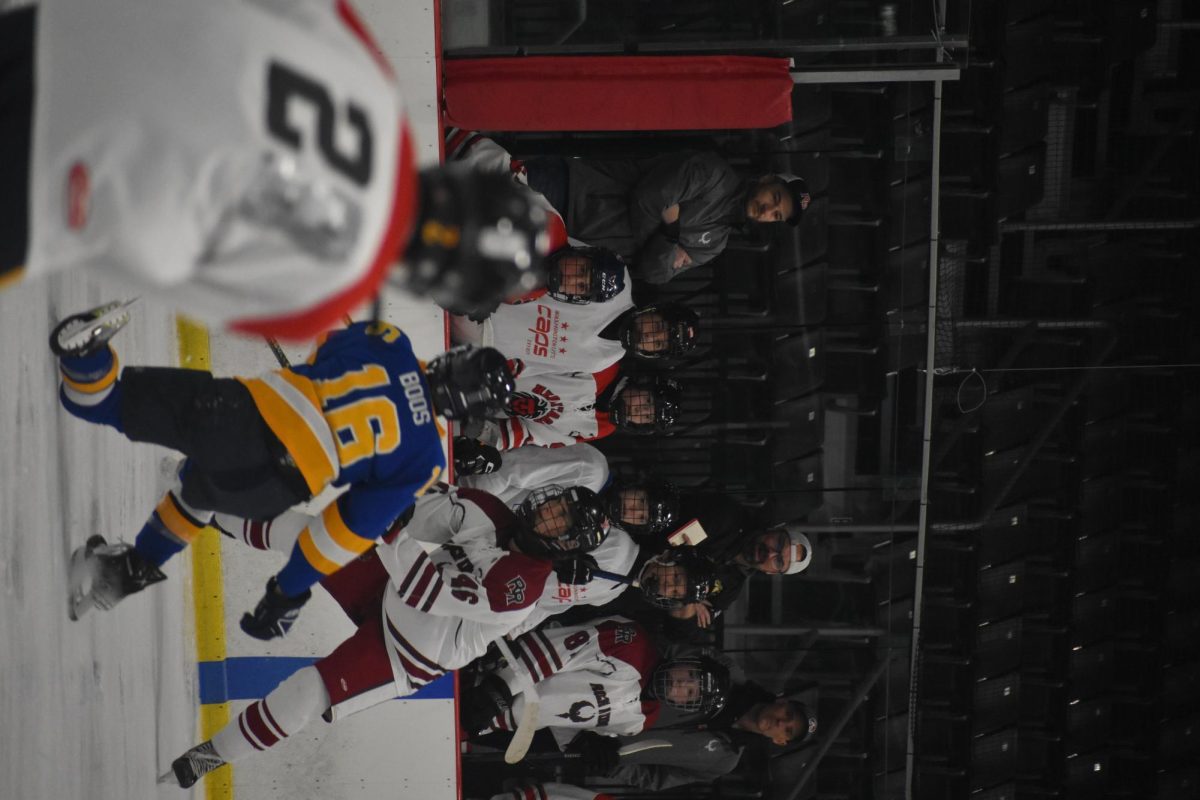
[(588, 676), (245, 160), (461, 515), (449, 604), (555, 410), (529, 468)]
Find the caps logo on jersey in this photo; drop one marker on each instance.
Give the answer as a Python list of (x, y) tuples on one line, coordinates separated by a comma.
[(78, 196)]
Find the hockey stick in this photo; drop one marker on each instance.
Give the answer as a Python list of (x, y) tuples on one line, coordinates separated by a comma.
[(477, 753), (281, 356), (523, 736)]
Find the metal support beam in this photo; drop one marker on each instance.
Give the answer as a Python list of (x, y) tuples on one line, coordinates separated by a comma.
[(895, 74)]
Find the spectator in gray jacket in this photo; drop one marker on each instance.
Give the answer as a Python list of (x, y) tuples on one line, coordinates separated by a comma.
[(663, 214)]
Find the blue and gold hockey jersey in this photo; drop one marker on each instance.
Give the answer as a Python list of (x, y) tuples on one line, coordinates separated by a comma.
[(358, 414)]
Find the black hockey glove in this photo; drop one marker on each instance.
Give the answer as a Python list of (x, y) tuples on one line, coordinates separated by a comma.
[(483, 703), (275, 613), (472, 457), (575, 570), (598, 753)]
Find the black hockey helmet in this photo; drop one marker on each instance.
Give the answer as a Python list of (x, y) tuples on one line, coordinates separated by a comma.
[(692, 684), (601, 270), (646, 396), (697, 579), (663, 330), (557, 521), (654, 501), (478, 238), (469, 381)]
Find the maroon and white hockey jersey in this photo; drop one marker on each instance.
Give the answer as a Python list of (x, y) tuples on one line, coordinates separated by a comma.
[(556, 410), (449, 604), (455, 514), (588, 676), (246, 160)]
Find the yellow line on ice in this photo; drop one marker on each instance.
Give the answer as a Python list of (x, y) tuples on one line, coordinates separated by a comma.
[(208, 591)]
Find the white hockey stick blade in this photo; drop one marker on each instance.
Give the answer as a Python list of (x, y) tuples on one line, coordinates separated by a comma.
[(641, 747), (527, 725), (168, 778)]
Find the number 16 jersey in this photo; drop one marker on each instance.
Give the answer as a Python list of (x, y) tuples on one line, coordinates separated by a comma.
[(246, 160)]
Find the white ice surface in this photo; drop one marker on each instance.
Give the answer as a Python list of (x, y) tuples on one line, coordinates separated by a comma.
[(97, 708)]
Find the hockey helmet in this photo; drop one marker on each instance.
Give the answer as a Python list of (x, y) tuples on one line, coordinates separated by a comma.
[(663, 330), (646, 404), (477, 239), (557, 521), (643, 507), (694, 684), (675, 577), (469, 381), (582, 275)]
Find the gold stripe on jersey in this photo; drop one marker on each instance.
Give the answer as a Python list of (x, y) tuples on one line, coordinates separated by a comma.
[(176, 520), (12, 276), (339, 532), (437, 473), (98, 385), (289, 405), (314, 556)]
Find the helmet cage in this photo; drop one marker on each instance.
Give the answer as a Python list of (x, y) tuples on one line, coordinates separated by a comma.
[(708, 678), (605, 275), (579, 526)]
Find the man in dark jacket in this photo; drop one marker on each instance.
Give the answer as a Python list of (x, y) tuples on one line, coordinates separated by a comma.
[(663, 214)]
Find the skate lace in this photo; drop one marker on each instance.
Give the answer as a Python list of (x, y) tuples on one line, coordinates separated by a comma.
[(202, 759)]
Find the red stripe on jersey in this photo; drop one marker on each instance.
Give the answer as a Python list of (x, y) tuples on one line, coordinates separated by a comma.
[(534, 648), (530, 667), (329, 313), (437, 589), (270, 720), (606, 376), (549, 649), (354, 22), (418, 564), (541, 791), (406, 649), (422, 584)]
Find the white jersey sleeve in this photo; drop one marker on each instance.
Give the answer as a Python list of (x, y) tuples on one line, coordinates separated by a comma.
[(247, 162), (529, 468), (588, 676)]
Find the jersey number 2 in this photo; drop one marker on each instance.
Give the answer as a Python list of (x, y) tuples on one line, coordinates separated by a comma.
[(285, 85)]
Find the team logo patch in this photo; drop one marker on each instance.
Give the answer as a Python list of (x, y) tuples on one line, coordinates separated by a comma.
[(578, 709), (78, 197), (625, 634), (541, 405), (514, 591)]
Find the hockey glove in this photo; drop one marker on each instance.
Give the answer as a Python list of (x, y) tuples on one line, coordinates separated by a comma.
[(598, 753), (472, 457), (275, 613), (575, 570), (483, 703)]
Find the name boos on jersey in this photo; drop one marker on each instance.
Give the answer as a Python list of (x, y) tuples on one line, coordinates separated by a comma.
[(359, 413), (246, 161)]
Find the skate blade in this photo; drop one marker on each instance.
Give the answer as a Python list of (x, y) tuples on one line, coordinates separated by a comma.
[(101, 325), (168, 778), (79, 595)]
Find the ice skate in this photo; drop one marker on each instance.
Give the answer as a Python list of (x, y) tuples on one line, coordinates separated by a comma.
[(101, 574), (83, 334), (193, 765)]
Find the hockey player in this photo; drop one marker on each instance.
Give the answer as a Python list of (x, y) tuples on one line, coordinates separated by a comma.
[(248, 162), (646, 508), (360, 413), (551, 790), (559, 410), (604, 676), (418, 615)]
